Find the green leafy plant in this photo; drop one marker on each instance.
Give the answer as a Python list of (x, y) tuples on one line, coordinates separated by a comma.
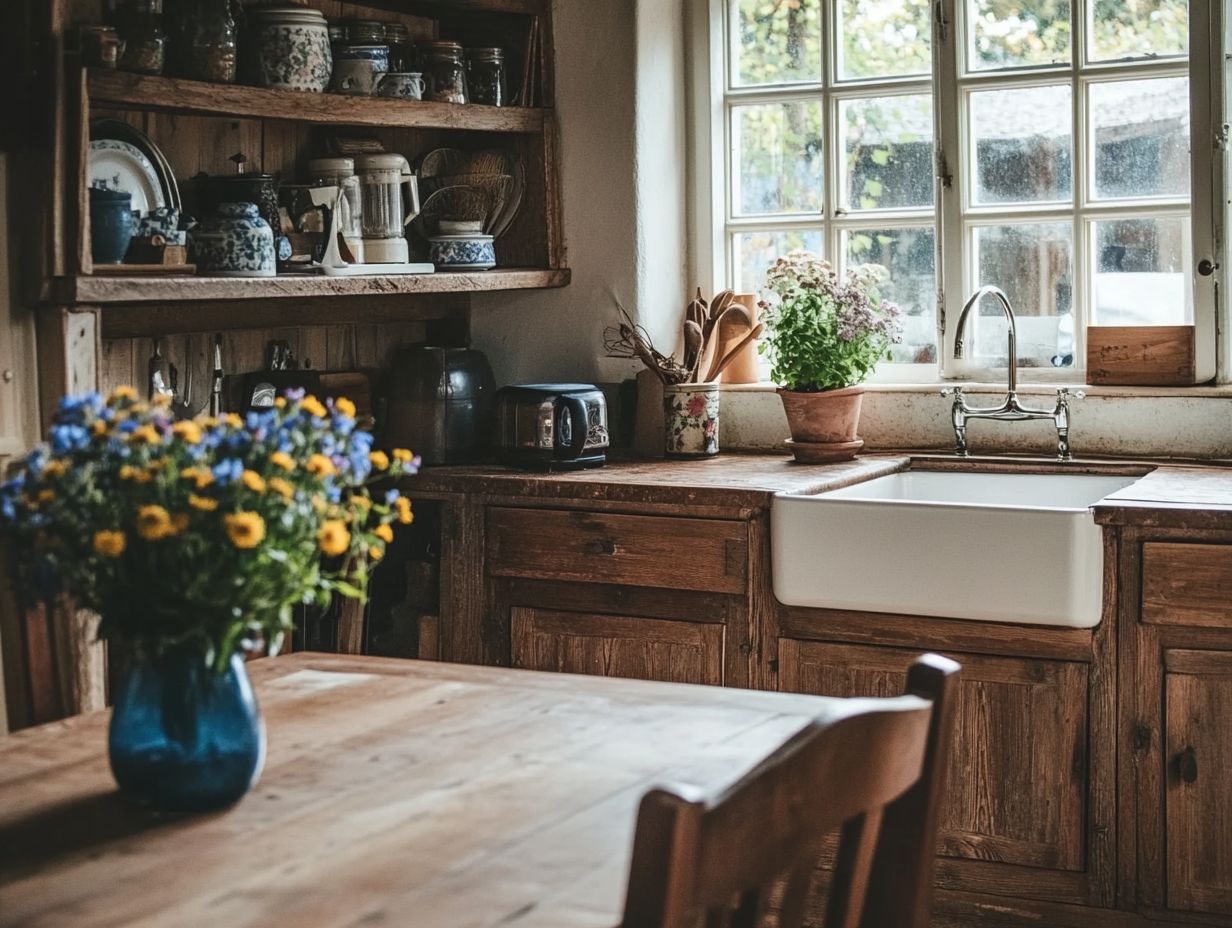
[(826, 332), (201, 534)]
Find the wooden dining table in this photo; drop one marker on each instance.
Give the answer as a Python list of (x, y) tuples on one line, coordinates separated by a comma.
[(395, 793)]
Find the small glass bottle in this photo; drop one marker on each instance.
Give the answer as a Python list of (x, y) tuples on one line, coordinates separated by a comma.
[(403, 57), (486, 75), (444, 73), (140, 24)]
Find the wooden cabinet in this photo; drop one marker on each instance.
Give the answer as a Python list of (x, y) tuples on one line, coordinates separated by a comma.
[(617, 646), (1198, 779), (1175, 683), (1016, 790)]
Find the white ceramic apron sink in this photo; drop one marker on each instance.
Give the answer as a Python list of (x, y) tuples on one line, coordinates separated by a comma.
[(990, 547)]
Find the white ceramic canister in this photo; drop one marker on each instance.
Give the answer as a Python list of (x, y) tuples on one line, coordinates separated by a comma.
[(691, 420), (288, 47)]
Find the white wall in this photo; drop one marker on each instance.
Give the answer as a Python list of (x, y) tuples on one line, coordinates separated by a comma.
[(620, 98)]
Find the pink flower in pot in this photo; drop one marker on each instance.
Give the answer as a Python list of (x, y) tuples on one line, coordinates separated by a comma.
[(696, 405)]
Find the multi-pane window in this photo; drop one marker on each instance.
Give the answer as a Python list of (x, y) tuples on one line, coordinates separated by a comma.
[(1039, 145)]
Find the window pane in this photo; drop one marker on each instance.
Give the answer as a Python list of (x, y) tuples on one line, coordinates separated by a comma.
[(777, 156), (884, 39), (1023, 143), (888, 143), (1018, 33), (1140, 274), (909, 254), (1139, 28), (754, 252), (1141, 131), (776, 42), (1033, 263)]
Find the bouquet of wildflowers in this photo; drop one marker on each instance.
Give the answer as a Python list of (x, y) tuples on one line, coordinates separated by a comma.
[(826, 332), (202, 533)]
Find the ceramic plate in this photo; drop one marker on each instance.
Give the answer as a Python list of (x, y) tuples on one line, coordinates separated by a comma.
[(123, 132), (116, 165)]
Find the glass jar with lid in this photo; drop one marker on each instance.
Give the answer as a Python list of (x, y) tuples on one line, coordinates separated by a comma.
[(140, 24), (486, 75), (444, 73), (403, 56), (365, 32)]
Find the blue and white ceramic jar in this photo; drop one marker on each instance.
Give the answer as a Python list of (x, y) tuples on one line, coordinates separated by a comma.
[(462, 252), (288, 47), (235, 243), (358, 69)]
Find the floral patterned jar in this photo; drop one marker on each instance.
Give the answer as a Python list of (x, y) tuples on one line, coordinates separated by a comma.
[(691, 420), (287, 47), (236, 243)]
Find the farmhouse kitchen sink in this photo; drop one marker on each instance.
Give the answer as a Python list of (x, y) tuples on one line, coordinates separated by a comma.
[(955, 544)]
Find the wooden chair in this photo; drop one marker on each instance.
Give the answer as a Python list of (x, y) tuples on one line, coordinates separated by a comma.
[(873, 768)]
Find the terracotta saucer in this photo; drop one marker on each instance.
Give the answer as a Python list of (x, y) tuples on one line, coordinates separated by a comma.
[(824, 452)]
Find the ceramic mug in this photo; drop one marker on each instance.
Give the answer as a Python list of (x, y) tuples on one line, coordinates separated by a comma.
[(691, 420), (463, 252), (111, 225), (401, 85), (359, 68)]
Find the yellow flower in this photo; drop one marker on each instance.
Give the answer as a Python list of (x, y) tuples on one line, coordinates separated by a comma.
[(361, 501), (345, 406), (98, 427), (401, 454), (233, 420), (199, 475), (283, 460), (334, 538), (110, 544), (202, 503), (403, 505), (139, 409), (187, 430), (313, 406), (280, 402), (122, 393), (154, 523), (282, 488), (46, 496), (145, 435), (318, 503), (245, 529), (253, 481), (375, 553), (55, 469), (379, 459), (208, 422), (321, 466), (161, 401), (384, 532)]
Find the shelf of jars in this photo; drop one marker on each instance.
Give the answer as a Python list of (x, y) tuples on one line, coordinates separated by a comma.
[(123, 90)]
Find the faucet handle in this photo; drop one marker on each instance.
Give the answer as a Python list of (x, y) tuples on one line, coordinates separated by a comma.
[(955, 392), (1064, 394)]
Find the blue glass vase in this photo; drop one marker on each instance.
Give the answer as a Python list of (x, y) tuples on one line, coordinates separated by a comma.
[(184, 737)]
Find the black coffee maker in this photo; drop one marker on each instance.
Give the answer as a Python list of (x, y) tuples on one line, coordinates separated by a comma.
[(440, 403)]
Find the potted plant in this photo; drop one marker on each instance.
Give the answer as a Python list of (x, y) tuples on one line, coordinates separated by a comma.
[(193, 540), (825, 334)]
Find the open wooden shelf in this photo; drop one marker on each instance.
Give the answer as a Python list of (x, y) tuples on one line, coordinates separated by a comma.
[(168, 94), (106, 290)]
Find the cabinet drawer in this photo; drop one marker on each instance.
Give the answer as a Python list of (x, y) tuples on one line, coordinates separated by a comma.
[(597, 547), (1187, 584)]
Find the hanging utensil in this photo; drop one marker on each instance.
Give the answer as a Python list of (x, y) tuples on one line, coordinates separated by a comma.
[(216, 379), (693, 342)]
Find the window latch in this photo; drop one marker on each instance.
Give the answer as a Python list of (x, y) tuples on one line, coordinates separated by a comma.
[(943, 24), (943, 170)]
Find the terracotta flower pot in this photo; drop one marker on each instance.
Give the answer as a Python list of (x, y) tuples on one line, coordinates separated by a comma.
[(824, 425)]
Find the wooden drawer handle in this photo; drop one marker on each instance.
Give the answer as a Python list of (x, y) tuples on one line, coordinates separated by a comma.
[(1187, 765)]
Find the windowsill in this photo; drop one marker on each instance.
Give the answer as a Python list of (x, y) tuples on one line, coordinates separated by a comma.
[(1027, 389)]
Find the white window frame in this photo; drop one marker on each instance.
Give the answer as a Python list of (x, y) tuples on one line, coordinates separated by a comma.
[(709, 33)]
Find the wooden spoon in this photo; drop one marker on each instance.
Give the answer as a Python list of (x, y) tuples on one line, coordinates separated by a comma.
[(731, 355), (692, 344)]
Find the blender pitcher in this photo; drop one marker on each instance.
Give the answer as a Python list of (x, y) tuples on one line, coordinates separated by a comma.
[(384, 211), (340, 173)]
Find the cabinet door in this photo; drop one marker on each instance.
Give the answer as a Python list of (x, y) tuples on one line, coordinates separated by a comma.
[(1198, 791), (617, 646), (1015, 792)]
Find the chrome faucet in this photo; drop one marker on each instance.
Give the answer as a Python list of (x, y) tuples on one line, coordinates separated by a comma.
[(1009, 409)]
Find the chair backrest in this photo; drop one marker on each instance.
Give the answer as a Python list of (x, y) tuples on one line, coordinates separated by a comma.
[(872, 768)]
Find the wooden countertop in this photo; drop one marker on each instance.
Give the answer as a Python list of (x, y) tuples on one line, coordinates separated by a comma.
[(733, 479), (395, 792), (1171, 495)]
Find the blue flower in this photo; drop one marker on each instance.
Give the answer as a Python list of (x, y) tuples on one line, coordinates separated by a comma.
[(391, 497), (228, 471), (72, 408), (362, 440), (66, 438)]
